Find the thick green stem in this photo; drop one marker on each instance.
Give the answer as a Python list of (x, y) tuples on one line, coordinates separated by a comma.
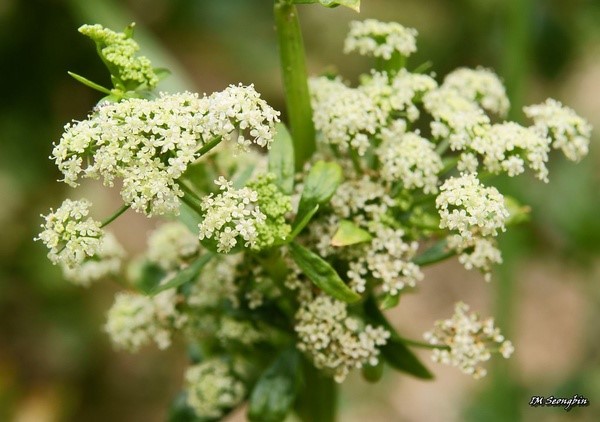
[(318, 400), (295, 81)]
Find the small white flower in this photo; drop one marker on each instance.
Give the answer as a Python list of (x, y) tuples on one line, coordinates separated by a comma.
[(334, 340), (345, 116), (481, 86), (231, 216), (170, 244), (135, 320), (570, 133), (469, 207), (380, 39), (411, 160), (70, 235), (106, 262), (469, 339), (212, 388), (476, 252)]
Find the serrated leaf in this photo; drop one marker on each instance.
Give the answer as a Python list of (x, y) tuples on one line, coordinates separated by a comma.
[(275, 391), (281, 159), (438, 252), (349, 233), (185, 275), (322, 274)]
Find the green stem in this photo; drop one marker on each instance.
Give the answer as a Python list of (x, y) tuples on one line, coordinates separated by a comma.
[(422, 345), (114, 216), (189, 200), (209, 145), (318, 400), (295, 80)]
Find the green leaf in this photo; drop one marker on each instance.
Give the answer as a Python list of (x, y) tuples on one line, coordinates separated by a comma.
[(436, 253), (281, 159), (349, 233), (395, 352), (89, 83), (185, 275), (399, 357), (275, 391), (300, 224), (373, 373), (319, 186), (389, 301), (161, 72), (517, 213), (180, 411), (150, 277), (322, 274)]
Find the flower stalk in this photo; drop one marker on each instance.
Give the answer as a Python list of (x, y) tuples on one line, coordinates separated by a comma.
[(295, 77)]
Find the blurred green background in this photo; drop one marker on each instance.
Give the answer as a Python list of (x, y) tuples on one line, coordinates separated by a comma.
[(56, 364)]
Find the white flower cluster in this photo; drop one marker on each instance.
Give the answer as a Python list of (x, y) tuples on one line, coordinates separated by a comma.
[(150, 143), (398, 93), (170, 244), (231, 217), (380, 39), (334, 340), (216, 283), (135, 320), (476, 252), (470, 341), (364, 200), (212, 388), (388, 259), (240, 332), (481, 86), (508, 146), (70, 235), (107, 261), (456, 118), (570, 133), (345, 116), (410, 159), (469, 207)]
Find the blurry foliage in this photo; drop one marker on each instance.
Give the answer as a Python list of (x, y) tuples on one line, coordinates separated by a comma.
[(52, 348)]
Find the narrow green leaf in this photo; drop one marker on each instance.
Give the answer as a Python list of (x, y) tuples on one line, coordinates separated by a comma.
[(373, 373), (349, 233), (517, 213), (89, 83), (399, 357), (161, 72), (389, 301), (150, 277), (322, 274), (395, 352), (436, 253), (319, 186), (281, 159), (300, 224), (185, 275), (321, 183), (275, 391)]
